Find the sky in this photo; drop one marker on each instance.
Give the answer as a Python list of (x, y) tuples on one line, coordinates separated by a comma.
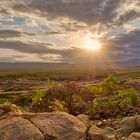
[(66, 31)]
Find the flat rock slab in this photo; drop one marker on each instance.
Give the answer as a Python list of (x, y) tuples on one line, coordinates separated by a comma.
[(17, 128), (60, 126)]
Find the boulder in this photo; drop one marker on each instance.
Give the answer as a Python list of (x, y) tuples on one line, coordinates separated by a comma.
[(96, 133), (130, 124), (85, 119), (60, 126), (17, 128), (134, 136)]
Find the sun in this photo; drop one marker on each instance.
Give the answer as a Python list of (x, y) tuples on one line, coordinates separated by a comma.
[(92, 44)]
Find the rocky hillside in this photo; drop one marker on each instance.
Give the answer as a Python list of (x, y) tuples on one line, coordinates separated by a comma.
[(16, 125)]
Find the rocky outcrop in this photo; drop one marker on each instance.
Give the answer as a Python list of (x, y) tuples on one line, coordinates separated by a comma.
[(40, 126), (85, 119), (16, 125), (59, 126)]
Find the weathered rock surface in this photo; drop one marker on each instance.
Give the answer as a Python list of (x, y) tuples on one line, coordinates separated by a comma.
[(110, 133), (16, 125), (134, 136), (40, 126), (9, 108), (96, 133), (85, 119), (60, 126), (17, 128), (130, 124)]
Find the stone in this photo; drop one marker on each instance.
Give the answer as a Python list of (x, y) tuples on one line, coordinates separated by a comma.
[(134, 136), (128, 125), (96, 133), (10, 108), (17, 128), (109, 132), (138, 122), (1, 112), (60, 126), (85, 119)]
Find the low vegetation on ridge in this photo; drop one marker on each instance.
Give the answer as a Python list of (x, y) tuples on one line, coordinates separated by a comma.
[(110, 97)]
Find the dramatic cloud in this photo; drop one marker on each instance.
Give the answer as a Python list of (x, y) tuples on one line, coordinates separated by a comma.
[(9, 33), (47, 29), (89, 11)]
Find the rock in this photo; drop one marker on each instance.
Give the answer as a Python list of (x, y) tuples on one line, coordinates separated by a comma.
[(134, 136), (96, 133), (128, 125), (17, 128), (100, 123), (97, 116), (85, 119), (1, 112), (10, 108), (110, 133), (60, 126), (138, 122)]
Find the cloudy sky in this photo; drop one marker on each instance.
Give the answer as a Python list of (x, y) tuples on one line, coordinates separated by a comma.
[(66, 30)]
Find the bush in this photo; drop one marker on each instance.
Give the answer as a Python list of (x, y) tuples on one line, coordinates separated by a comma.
[(133, 97), (129, 96), (60, 92), (38, 96), (3, 100), (109, 85)]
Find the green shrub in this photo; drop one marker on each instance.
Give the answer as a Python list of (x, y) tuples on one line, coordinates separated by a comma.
[(133, 97), (129, 96), (54, 91), (3, 100), (109, 104), (38, 96), (108, 85)]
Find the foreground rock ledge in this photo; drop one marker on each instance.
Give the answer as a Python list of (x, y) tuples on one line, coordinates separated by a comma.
[(41, 126)]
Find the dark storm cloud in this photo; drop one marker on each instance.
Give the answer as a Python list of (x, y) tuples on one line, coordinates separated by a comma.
[(87, 11)]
